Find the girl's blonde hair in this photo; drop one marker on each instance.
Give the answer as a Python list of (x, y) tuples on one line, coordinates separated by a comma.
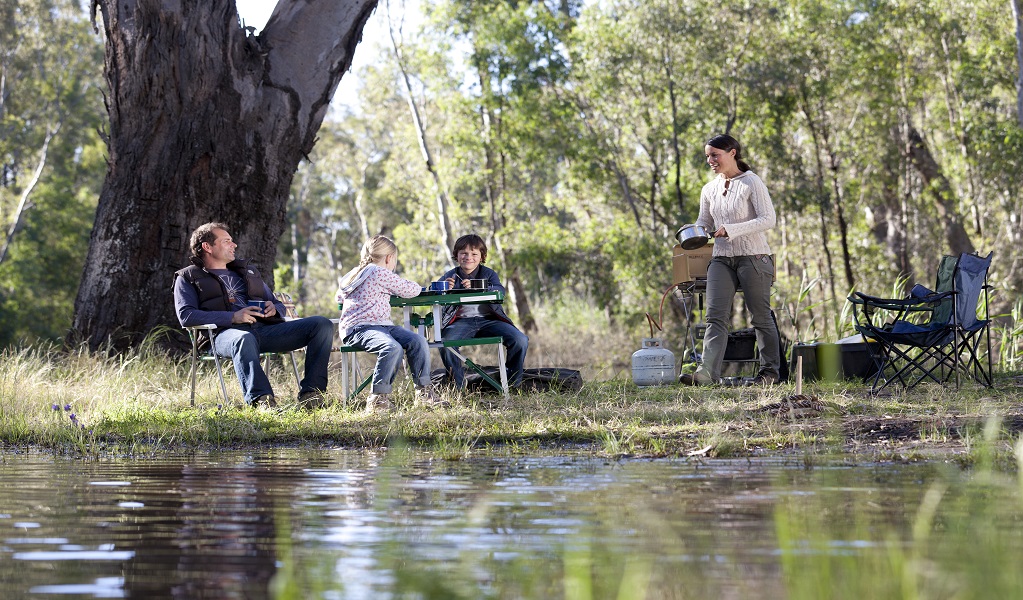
[(376, 249)]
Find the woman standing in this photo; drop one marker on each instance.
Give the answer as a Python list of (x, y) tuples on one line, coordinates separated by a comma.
[(736, 206)]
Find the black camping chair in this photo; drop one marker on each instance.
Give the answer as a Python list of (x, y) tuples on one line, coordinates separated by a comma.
[(909, 349)]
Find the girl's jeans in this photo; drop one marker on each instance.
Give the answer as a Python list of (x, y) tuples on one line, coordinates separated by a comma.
[(388, 342)]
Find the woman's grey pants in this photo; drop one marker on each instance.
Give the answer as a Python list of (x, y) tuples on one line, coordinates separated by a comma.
[(756, 276)]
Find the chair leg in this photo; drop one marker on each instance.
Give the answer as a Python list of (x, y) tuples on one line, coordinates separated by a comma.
[(223, 385), (503, 369), (344, 374), (294, 368), (194, 368)]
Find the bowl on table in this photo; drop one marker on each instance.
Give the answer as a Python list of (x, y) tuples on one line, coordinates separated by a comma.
[(440, 286), (478, 284)]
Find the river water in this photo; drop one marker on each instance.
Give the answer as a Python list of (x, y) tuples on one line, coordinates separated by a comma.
[(287, 523)]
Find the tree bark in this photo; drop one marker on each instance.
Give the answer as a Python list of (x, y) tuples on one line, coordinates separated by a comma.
[(1017, 18), (206, 123), (934, 179)]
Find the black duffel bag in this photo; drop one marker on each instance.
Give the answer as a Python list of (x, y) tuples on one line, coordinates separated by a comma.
[(533, 380)]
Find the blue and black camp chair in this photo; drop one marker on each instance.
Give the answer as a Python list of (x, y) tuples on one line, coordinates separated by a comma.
[(931, 334)]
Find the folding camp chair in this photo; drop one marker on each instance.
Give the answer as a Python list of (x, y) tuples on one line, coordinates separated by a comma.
[(202, 337), (909, 351)]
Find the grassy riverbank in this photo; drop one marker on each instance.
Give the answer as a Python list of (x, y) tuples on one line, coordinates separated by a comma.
[(137, 404)]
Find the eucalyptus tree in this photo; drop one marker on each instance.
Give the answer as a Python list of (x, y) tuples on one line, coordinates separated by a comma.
[(207, 122), (641, 93), (516, 56), (1017, 18), (50, 155)]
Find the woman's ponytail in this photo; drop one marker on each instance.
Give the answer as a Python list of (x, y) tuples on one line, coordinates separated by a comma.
[(727, 143)]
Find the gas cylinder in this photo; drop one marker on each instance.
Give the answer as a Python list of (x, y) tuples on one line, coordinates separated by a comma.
[(653, 364)]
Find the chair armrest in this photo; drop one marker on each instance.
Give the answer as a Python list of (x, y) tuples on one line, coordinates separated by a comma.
[(206, 326), (898, 303)]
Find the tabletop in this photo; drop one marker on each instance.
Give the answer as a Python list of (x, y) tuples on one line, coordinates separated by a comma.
[(452, 297)]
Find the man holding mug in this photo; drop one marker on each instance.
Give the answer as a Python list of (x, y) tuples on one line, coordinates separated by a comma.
[(220, 290)]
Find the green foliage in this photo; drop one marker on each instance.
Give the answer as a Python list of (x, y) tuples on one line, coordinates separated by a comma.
[(570, 135), (51, 67)]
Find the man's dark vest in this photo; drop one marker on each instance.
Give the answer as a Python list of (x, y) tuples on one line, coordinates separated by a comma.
[(213, 296)]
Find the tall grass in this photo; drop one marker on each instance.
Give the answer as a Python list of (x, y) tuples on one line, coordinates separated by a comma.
[(961, 541), (139, 402)]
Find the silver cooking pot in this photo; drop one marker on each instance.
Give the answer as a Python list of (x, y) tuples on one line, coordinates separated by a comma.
[(692, 237)]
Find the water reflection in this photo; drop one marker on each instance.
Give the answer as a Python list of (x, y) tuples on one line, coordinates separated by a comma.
[(342, 524)]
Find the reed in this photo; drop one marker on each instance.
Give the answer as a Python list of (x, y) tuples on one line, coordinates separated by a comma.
[(841, 544)]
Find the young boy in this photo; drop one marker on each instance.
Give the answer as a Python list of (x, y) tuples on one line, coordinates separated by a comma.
[(470, 321)]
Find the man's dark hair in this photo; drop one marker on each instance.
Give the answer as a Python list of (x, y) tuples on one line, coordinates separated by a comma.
[(472, 242), (205, 234)]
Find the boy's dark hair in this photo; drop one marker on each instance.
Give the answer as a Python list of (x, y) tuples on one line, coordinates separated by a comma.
[(473, 242)]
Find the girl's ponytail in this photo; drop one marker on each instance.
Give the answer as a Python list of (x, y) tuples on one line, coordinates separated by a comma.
[(375, 249)]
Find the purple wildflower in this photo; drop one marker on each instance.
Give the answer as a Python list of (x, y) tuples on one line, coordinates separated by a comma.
[(73, 417), (67, 408), (55, 407)]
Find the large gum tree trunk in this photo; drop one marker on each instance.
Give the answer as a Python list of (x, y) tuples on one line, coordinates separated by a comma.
[(207, 123)]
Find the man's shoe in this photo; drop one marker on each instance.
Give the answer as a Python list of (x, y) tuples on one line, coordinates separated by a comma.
[(692, 379), (264, 401), (378, 403), (311, 400), (429, 398), (763, 379)]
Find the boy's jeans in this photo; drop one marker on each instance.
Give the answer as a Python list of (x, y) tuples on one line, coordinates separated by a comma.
[(474, 327)]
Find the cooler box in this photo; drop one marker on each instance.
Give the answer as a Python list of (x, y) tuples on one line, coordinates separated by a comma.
[(688, 265)]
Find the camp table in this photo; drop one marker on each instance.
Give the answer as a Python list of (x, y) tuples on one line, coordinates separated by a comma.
[(437, 301)]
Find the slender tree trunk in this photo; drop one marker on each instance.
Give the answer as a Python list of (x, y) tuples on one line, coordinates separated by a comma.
[(23, 203), (623, 183), (610, 163), (1017, 18), (493, 189), (206, 123), (359, 202), (443, 220), (834, 163), (675, 130), (923, 161), (822, 196)]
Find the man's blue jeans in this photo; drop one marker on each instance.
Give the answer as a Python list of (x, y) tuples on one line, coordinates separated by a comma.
[(475, 327), (243, 344), (388, 342)]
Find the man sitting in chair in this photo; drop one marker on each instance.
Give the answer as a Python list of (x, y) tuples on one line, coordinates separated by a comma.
[(217, 289)]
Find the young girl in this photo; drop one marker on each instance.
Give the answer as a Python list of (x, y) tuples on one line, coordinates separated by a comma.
[(365, 295)]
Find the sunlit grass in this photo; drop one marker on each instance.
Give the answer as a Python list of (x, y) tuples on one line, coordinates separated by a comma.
[(139, 403)]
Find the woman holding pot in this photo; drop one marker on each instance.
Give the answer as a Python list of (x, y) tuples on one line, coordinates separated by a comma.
[(737, 208)]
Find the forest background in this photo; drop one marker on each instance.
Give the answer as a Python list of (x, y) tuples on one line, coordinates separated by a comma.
[(571, 136)]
